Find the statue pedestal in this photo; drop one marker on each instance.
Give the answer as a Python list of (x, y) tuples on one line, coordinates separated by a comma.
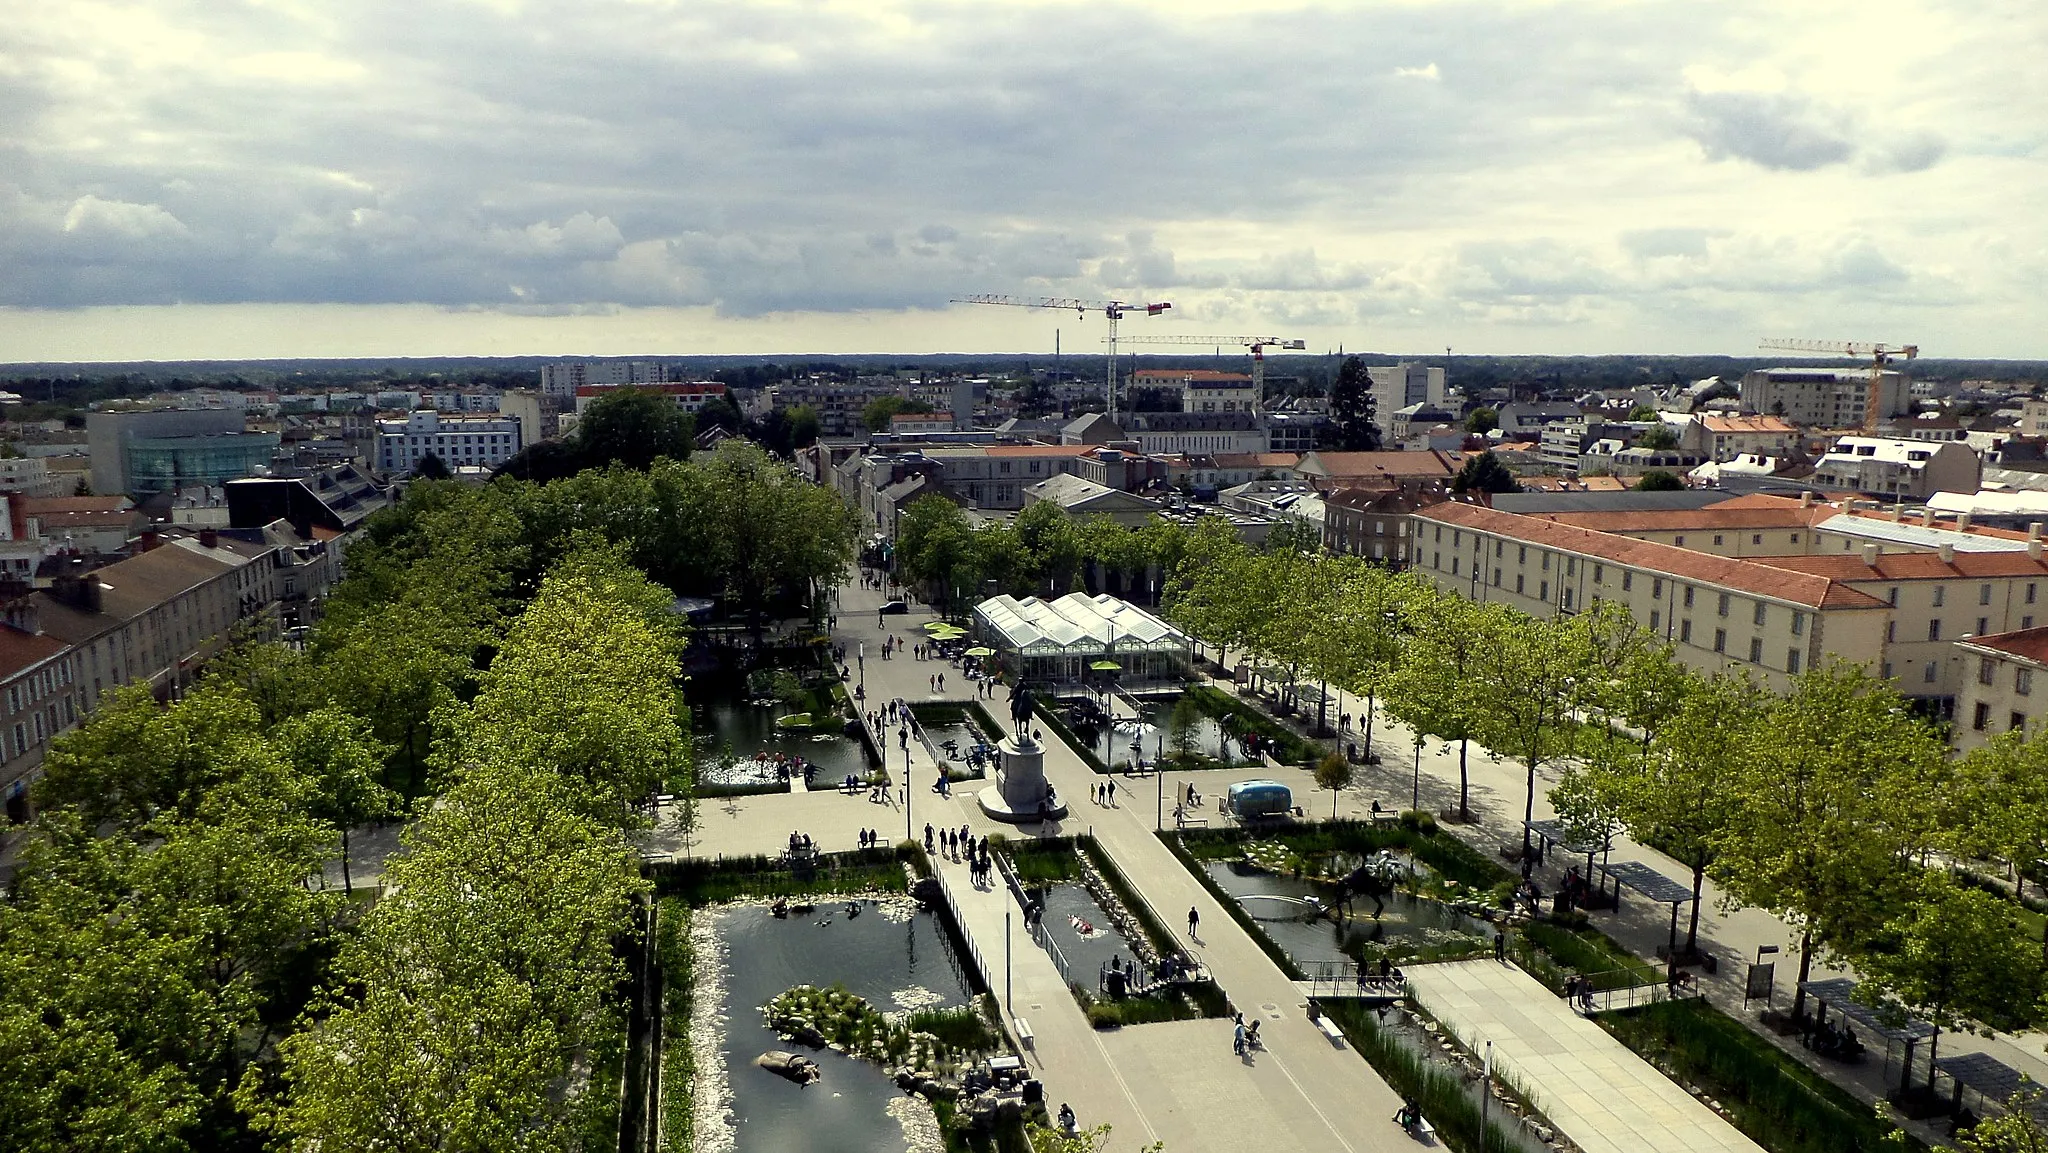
[(1021, 794)]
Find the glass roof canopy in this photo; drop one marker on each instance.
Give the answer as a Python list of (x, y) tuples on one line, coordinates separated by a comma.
[(1074, 625)]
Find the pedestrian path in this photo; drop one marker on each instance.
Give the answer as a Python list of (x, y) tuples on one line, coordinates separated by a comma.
[(1592, 1087)]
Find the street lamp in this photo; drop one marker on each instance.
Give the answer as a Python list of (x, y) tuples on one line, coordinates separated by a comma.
[(1417, 803), (907, 835), (863, 658)]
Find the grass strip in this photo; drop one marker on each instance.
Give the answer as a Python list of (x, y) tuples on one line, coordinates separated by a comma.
[(1438, 1089), (678, 960), (1778, 1102)]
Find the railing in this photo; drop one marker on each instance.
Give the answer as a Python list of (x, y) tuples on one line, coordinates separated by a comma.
[(988, 976), (1589, 1000), (1350, 979)]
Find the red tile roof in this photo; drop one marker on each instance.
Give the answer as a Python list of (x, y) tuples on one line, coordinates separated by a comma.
[(1903, 566), (1352, 464), (2027, 644), (1814, 591), (20, 651)]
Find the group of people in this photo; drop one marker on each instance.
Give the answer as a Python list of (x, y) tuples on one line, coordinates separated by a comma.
[(1578, 989), (960, 845), (1828, 1041), (800, 844), (1244, 1037), (937, 681), (1105, 794), (870, 839)]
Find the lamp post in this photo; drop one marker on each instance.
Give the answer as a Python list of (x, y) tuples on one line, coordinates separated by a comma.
[(1007, 1006), (863, 659), (907, 835), (1417, 803)]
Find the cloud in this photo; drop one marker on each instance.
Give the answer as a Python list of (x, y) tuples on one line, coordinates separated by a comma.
[(1426, 72), (1775, 130), (91, 217)]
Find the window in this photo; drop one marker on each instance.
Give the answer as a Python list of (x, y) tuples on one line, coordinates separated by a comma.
[(1500, 548), (1982, 715), (1439, 534), (1795, 538), (1685, 631), (1518, 583), (1543, 591), (1756, 650), (1928, 673), (1798, 624), (1678, 541), (1934, 629), (1688, 596), (1657, 588), (1436, 559), (1723, 609), (1891, 631), (1599, 573), (1792, 661), (1887, 670), (1627, 580), (1571, 566), (1717, 539), (2019, 721), (1987, 671), (1522, 557), (1656, 620), (1983, 625), (1454, 566), (1756, 538), (1720, 640), (1546, 562), (1940, 595), (2030, 593), (1984, 594), (1759, 614), (1496, 578)]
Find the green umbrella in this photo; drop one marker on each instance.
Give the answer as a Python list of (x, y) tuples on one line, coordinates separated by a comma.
[(1106, 667), (937, 626), (981, 651)]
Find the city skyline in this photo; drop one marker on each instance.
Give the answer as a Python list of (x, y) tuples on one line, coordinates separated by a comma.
[(188, 182)]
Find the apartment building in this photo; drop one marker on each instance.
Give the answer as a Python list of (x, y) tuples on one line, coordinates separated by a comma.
[(38, 683), (1375, 524), (2004, 686), (1396, 386), (459, 441), (1723, 438), (688, 396), (1823, 397), (1333, 471), (1716, 612), (1899, 469), (562, 380)]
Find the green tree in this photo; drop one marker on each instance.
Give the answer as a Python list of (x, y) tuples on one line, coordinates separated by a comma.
[(1482, 420), (1957, 956), (1183, 732), (1642, 412), (1658, 480), (934, 543), (1434, 687), (1660, 437), (804, 426), (1832, 805), (1050, 538), (1999, 807), (634, 427), (431, 467), (1484, 473), (877, 413), (1351, 406), (2017, 1130), (334, 750), (1527, 670), (1333, 772)]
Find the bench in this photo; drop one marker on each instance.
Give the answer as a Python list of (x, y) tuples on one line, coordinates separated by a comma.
[(1022, 1028), (1331, 1031)]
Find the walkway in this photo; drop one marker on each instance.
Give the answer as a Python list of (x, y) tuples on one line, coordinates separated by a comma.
[(1591, 1086)]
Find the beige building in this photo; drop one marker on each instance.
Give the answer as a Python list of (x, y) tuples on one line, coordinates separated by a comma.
[(1823, 397), (1716, 612), (1723, 438), (38, 683), (1899, 469), (2005, 680)]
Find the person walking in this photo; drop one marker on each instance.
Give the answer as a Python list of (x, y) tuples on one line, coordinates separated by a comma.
[(928, 831), (1500, 945), (1109, 791), (1194, 916), (942, 682), (1237, 1036)]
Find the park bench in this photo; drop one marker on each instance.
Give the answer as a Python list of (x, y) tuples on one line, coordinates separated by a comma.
[(1331, 1031), (1022, 1028)]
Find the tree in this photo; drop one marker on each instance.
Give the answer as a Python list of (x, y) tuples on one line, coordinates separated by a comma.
[(633, 427), (431, 467), (1184, 733), (1482, 420), (1832, 805), (335, 751), (2017, 1130), (877, 413), (1999, 808), (1527, 671), (1433, 688), (1333, 772), (1642, 412), (804, 426), (1351, 404), (1659, 437), (1658, 480), (1484, 473), (1045, 1139), (933, 543), (1049, 536), (1958, 956)]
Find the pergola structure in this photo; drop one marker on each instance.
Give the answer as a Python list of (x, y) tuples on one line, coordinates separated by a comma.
[(1058, 641)]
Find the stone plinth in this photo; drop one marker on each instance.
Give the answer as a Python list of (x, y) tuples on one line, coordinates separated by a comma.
[(1021, 793)]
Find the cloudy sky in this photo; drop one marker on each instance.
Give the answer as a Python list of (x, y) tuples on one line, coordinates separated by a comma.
[(196, 178)]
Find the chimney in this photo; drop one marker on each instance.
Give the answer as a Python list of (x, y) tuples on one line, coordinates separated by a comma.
[(1947, 553), (1870, 551), (208, 538), (1806, 498), (149, 540), (1898, 513), (2034, 530), (1926, 518), (2034, 548), (1962, 522)]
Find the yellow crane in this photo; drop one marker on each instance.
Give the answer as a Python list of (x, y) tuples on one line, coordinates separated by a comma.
[(1114, 310), (1879, 356), (1258, 345)]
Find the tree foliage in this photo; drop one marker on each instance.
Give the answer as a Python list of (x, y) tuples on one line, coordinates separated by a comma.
[(1351, 405), (1484, 473)]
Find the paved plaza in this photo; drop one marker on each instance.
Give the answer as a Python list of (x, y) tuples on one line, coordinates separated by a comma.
[(1591, 1086)]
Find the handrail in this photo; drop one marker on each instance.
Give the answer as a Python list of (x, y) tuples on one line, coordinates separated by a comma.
[(988, 977)]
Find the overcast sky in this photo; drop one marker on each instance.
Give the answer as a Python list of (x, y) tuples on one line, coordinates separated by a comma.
[(194, 178)]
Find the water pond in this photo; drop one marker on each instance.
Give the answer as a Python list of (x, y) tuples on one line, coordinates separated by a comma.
[(892, 954), (1409, 927), (1080, 927), (1111, 743), (725, 717)]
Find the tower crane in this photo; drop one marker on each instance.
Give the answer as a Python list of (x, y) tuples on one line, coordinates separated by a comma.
[(1114, 310), (1258, 345), (1879, 356)]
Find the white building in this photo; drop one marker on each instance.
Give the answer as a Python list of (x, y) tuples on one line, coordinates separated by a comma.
[(564, 379), (1888, 466), (689, 396), (475, 441), (1396, 386)]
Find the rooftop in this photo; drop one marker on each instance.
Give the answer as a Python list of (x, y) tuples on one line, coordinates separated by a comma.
[(2026, 644), (21, 651)]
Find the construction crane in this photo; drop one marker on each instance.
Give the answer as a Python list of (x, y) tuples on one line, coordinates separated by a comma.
[(1114, 310), (1879, 356), (1258, 345)]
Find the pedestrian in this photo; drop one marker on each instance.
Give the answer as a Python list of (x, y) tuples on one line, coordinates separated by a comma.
[(1237, 1036), (1194, 922), (942, 682), (928, 830), (1109, 790), (1500, 945), (966, 836)]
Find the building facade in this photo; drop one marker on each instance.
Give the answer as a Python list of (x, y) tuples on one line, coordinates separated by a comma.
[(1823, 397), (459, 441)]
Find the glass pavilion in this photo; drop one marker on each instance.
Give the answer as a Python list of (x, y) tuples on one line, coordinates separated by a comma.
[(1058, 641)]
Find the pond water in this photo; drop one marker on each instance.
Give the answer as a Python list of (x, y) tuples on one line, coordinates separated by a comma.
[(1112, 744), (1086, 950), (1408, 923), (966, 736), (892, 954), (718, 718)]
